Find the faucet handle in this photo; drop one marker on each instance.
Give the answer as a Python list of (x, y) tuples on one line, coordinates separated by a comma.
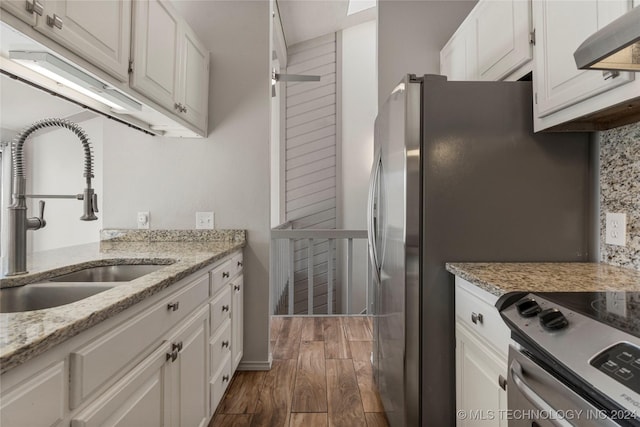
[(41, 217), (94, 202), (38, 222)]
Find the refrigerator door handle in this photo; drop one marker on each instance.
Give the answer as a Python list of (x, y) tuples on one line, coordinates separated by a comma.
[(371, 235)]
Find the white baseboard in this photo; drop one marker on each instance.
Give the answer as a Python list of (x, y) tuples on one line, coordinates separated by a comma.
[(255, 365)]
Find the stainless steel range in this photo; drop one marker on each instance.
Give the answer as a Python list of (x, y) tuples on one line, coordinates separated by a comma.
[(577, 361)]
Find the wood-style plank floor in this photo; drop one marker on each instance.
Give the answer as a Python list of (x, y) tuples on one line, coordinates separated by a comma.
[(321, 377)]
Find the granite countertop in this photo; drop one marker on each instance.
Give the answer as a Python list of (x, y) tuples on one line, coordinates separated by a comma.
[(501, 278), (24, 335)]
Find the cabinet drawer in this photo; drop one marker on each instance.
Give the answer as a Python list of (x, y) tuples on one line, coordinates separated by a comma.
[(221, 275), (39, 401), (104, 358), (219, 384), (236, 264), (475, 308), (220, 348), (220, 309)]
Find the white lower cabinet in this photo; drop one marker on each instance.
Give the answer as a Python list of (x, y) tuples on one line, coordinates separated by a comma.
[(237, 322), (140, 398), (166, 363), (38, 401), (479, 371), (482, 341)]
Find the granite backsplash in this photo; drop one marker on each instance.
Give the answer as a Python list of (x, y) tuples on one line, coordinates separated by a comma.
[(620, 191)]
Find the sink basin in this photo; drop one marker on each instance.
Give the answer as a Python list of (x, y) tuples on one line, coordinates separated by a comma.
[(72, 287), (37, 296), (108, 273)]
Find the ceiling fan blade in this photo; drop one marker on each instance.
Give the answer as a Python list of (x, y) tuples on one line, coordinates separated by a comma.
[(296, 78)]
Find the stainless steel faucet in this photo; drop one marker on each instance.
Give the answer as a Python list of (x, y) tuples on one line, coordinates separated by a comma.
[(17, 217)]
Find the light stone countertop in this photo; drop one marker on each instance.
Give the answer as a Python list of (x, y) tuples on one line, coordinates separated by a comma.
[(25, 335), (501, 278)]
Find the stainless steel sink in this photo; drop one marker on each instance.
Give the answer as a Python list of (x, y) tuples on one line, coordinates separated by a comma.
[(37, 296), (72, 287), (109, 273)]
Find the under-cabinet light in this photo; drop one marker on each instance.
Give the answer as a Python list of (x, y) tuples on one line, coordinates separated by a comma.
[(56, 69)]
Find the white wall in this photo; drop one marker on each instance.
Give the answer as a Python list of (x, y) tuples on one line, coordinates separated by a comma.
[(410, 36), (55, 165), (359, 109), (228, 172)]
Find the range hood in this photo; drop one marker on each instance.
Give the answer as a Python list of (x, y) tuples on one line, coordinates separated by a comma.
[(614, 47)]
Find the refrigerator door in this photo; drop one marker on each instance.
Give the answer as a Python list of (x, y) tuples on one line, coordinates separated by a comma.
[(396, 196)]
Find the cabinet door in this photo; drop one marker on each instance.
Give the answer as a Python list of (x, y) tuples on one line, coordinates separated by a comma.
[(156, 31), (98, 31), (478, 393), (190, 368), (237, 322), (38, 401), (458, 59), (21, 9), (503, 37), (561, 26), (194, 79), (140, 398)]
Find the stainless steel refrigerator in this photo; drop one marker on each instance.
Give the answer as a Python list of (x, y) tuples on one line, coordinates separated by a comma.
[(459, 175)]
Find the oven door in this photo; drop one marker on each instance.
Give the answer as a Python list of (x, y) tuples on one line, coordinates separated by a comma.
[(535, 398)]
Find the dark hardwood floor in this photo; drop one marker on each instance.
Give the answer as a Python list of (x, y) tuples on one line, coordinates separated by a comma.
[(321, 376)]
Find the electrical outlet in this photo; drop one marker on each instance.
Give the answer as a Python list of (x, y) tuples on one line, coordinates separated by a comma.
[(617, 303), (616, 229), (144, 219), (204, 220)]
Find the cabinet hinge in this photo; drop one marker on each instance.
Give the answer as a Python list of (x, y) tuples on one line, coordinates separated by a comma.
[(532, 37), (130, 66)]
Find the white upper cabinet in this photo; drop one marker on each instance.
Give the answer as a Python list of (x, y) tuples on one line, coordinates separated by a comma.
[(491, 44), (28, 11), (170, 65), (561, 26), (155, 51), (194, 81), (458, 58), (98, 31), (503, 45)]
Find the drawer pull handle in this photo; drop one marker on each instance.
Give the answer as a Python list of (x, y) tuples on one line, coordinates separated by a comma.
[(177, 346), (35, 6), (225, 344), (225, 308), (173, 306), (477, 318), (225, 378), (502, 382), (172, 356), (236, 287), (240, 264), (225, 274), (54, 21)]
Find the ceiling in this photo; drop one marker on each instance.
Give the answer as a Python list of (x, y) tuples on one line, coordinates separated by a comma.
[(307, 19)]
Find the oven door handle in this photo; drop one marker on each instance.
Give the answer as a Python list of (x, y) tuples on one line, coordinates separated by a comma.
[(533, 397)]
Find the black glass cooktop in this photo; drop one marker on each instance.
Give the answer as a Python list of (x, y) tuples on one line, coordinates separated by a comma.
[(620, 310)]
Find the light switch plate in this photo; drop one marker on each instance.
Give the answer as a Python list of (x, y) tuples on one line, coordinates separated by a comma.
[(616, 229), (204, 220)]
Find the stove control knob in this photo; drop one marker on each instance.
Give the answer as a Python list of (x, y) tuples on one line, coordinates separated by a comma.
[(528, 307), (553, 320)]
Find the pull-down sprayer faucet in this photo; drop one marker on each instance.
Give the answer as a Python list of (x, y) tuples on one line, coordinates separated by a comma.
[(18, 221)]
